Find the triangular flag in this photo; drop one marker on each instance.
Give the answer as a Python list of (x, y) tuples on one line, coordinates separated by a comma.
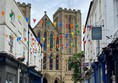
[(32, 39), (3, 13), (78, 31), (38, 39), (19, 17), (18, 38), (24, 38), (41, 22), (85, 42), (23, 41), (60, 24), (27, 19), (55, 37), (66, 25), (77, 26), (42, 45), (14, 37), (72, 33), (61, 36), (66, 35), (43, 39), (48, 45), (57, 45), (11, 14), (6, 35), (71, 44), (67, 45), (34, 20), (54, 24), (33, 43), (48, 23), (71, 25)]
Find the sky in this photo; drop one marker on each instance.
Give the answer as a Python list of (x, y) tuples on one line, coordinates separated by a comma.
[(39, 6)]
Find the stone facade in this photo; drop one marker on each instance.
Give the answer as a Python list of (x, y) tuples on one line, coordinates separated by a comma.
[(63, 47), (26, 9)]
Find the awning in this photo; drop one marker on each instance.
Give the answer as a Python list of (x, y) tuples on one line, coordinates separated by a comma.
[(95, 65), (102, 57), (32, 72)]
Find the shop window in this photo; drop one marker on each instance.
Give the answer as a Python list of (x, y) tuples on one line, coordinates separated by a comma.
[(10, 78)]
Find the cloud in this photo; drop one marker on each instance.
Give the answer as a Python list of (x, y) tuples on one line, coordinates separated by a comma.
[(39, 6)]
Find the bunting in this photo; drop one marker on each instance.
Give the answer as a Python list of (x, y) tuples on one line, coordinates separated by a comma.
[(2, 13), (34, 20), (27, 19), (19, 17)]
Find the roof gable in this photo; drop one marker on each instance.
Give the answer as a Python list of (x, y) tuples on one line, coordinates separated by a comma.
[(45, 22)]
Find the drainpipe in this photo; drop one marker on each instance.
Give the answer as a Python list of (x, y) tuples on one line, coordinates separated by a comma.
[(18, 73), (28, 48)]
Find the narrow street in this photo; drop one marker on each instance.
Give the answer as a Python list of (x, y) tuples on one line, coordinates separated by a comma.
[(59, 41)]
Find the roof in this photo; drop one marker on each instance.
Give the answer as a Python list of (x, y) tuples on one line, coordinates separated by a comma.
[(45, 15), (91, 4), (33, 32)]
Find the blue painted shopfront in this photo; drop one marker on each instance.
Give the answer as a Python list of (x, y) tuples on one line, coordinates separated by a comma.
[(34, 76), (100, 74)]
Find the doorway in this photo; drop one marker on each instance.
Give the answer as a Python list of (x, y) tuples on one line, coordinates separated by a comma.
[(45, 80), (55, 81)]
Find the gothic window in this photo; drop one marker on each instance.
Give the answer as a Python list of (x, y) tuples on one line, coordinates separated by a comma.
[(38, 35), (45, 22), (69, 66), (51, 62), (51, 41), (57, 62), (45, 41), (70, 17), (44, 62), (57, 44)]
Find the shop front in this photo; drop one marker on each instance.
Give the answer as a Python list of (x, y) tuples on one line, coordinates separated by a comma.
[(34, 76)]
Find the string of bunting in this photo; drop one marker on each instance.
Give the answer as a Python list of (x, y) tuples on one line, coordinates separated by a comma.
[(71, 25), (43, 45)]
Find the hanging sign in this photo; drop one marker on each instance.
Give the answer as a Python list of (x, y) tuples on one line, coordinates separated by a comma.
[(96, 33)]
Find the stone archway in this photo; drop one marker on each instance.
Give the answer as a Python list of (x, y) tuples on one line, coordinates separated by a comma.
[(55, 81), (45, 80)]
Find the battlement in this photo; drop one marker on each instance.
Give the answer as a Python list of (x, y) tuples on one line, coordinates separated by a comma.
[(23, 4), (66, 10)]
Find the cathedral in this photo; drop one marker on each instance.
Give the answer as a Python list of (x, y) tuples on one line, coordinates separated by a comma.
[(59, 39)]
